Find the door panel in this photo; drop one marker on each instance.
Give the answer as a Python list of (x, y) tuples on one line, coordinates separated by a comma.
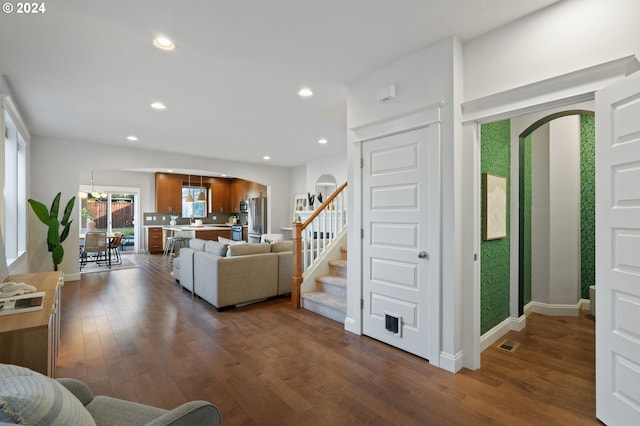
[(617, 248), (400, 220)]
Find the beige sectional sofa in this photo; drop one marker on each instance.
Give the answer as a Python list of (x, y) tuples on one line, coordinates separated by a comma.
[(229, 275)]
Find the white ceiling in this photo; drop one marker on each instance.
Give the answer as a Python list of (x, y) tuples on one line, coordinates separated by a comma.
[(86, 69)]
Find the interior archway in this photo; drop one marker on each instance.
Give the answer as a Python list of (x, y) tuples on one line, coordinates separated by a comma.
[(524, 206)]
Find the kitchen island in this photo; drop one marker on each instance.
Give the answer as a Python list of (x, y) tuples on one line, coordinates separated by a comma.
[(204, 232)]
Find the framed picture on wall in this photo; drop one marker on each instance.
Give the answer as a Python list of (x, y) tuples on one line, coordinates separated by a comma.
[(494, 202), (300, 203)]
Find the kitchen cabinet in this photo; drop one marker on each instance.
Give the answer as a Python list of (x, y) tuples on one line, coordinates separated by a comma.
[(169, 193), (32, 339), (154, 239), (225, 193), (221, 196), (243, 190)]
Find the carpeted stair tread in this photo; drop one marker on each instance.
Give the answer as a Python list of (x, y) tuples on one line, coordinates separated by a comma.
[(338, 267), (333, 280), (324, 304)]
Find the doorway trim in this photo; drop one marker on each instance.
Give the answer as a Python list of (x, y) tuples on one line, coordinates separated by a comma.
[(563, 90)]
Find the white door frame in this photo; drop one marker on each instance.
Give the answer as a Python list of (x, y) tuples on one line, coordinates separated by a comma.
[(564, 90)]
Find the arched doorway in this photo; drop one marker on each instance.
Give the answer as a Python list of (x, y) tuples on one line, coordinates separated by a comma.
[(556, 233)]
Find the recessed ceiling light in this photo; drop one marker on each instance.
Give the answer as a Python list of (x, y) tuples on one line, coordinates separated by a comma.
[(322, 141), (163, 43), (305, 92), (132, 138), (158, 105), (266, 157)]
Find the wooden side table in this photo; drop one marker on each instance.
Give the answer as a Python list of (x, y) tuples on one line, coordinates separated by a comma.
[(32, 339)]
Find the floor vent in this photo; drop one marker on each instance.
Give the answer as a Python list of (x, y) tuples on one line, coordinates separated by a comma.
[(508, 345)]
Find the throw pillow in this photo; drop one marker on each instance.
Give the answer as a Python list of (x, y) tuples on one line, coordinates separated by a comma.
[(230, 242), (196, 244), (30, 398), (215, 247)]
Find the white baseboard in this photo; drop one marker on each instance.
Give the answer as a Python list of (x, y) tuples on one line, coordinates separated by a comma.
[(72, 277), (555, 309), (509, 324), (451, 363), (584, 304), (351, 326)]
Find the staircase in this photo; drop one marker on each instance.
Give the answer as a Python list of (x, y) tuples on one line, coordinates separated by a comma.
[(330, 297)]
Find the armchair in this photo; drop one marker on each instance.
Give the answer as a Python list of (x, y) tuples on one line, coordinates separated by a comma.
[(28, 397), (106, 410)]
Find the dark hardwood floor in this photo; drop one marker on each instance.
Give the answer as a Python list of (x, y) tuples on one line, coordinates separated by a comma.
[(135, 334)]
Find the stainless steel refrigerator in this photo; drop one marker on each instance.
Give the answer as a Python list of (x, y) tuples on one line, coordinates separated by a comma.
[(256, 218)]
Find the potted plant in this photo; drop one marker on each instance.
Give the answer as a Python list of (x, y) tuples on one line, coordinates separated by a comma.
[(50, 218), (320, 197), (311, 197), (91, 224)]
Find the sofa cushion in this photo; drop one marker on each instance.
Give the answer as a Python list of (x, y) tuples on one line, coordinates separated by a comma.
[(247, 249), (229, 242), (197, 244), (280, 246), (28, 397), (215, 247)]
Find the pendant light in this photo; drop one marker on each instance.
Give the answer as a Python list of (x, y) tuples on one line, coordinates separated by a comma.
[(94, 193), (201, 197), (189, 197)]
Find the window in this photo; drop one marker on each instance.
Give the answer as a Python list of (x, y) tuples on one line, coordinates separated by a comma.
[(15, 185), (193, 208)]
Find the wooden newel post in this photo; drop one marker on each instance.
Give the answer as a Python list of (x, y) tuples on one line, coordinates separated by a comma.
[(296, 276)]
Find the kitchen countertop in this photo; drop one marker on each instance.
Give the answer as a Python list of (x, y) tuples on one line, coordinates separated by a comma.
[(207, 227)]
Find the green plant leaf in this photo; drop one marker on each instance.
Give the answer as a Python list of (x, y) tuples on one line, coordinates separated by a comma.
[(55, 206), (65, 231), (53, 236), (57, 255), (40, 210), (67, 211)]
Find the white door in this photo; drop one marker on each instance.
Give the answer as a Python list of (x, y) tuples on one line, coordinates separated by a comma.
[(618, 253), (401, 241)]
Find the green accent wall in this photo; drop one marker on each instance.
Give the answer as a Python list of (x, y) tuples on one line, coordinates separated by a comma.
[(587, 204), (495, 154)]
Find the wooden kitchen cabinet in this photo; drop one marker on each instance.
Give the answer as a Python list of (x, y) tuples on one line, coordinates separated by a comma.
[(32, 339), (154, 239), (169, 193), (221, 196)]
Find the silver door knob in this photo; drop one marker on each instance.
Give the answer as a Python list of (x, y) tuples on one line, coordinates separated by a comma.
[(423, 255)]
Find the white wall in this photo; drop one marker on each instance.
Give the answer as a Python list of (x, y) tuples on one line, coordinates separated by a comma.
[(335, 165), (564, 213), (568, 36), (56, 165), (540, 214)]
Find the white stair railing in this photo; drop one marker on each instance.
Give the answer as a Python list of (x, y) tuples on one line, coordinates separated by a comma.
[(313, 236)]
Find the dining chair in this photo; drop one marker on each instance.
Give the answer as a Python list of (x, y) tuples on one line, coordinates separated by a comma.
[(114, 245), (95, 248)]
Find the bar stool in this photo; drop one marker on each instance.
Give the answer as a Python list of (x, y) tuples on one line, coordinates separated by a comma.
[(170, 244)]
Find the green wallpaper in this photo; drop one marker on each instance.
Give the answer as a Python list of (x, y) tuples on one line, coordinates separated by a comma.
[(495, 155), (587, 204)]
